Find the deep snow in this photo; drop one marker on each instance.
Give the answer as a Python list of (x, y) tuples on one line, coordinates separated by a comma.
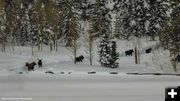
[(61, 61), (76, 84)]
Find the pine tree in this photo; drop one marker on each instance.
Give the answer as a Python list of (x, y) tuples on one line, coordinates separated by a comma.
[(52, 17), (157, 16), (170, 39), (124, 19), (11, 21), (132, 20), (25, 28), (114, 55), (104, 51), (85, 8), (70, 13), (101, 21), (70, 24), (89, 37), (122, 31), (100, 13), (170, 35), (2, 25), (39, 20), (1, 4)]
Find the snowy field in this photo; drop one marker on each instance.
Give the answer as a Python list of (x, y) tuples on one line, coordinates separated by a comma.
[(61, 61), (77, 87), (76, 84)]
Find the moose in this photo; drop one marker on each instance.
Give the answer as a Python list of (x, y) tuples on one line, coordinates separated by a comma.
[(178, 58), (129, 52), (30, 66), (39, 63), (148, 50), (80, 58)]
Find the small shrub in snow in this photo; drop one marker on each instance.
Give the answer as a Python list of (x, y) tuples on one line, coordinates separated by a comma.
[(113, 72), (50, 72), (20, 72), (92, 72)]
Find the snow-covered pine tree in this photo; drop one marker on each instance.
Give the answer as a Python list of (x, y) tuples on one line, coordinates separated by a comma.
[(139, 18), (170, 39), (89, 40), (157, 16), (114, 55), (70, 13), (122, 31), (1, 4), (101, 19), (15, 18), (98, 12), (170, 35), (24, 35), (124, 19), (139, 24), (85, 9), (70, 24), (46, 31), (29, 26), (2, 25), (104, 50), (132, 19), (11, 21), (39, 20), (52, 17)]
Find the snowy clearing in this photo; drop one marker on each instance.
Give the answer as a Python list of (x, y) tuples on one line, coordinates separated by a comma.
[(61, 61), (73, 83)]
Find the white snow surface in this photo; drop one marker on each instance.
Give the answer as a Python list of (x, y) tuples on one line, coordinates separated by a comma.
[(79, 87), (73, 83), (61, 61)]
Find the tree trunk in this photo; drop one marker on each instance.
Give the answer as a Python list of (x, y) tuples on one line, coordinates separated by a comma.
[(32, 50), (136, 55), (69, 42), (13, 44), (3, 45), (137, 52), (174, 63), (75, 50), (41, 45), (90, 53), (56, 45), (90, 50), (51, 47)]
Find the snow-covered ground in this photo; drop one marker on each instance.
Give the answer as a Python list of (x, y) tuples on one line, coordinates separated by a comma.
[(61, 61), (76, 84), (78, 87)]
